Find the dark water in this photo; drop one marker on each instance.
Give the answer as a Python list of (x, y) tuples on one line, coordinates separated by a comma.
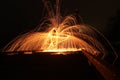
[(47, 67)]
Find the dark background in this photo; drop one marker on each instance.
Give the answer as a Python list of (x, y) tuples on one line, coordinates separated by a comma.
[(20, 16)]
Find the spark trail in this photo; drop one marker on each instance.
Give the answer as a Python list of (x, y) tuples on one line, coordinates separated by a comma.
[(62, 34)]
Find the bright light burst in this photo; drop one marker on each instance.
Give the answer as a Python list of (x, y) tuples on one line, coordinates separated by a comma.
[(61, 35)]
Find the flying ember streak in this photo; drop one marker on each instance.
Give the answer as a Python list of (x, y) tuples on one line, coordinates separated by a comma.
[(61, 35)]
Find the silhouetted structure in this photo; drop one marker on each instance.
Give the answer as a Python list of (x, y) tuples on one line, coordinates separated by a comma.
[(47, 67)]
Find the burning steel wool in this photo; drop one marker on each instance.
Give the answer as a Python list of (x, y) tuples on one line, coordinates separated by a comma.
[(61, 35)]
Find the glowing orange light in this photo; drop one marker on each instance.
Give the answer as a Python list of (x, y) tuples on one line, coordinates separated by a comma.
[(61, 36)]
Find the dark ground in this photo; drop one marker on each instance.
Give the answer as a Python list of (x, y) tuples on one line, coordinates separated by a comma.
[(47, 67)]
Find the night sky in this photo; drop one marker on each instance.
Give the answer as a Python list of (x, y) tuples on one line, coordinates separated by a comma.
[(20, 16)]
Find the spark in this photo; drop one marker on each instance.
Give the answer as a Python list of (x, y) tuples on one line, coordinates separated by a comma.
[(62, 34)]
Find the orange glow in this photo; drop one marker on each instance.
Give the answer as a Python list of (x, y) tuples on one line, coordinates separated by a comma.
[(65, 38), (60, 36), (62, 50)]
